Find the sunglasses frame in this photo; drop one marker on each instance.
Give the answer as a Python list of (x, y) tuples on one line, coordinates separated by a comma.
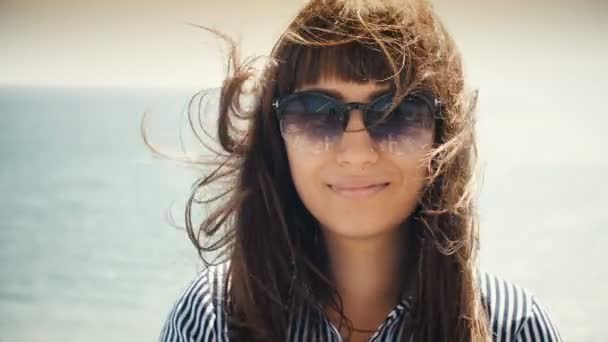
[(432, 102)]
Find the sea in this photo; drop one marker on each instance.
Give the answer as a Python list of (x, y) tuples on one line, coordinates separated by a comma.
[(92, 245)]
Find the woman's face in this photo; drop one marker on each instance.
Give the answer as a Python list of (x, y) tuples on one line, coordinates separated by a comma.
[(356, 189)]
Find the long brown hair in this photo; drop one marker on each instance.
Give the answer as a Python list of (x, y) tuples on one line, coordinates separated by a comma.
[(259, 223)]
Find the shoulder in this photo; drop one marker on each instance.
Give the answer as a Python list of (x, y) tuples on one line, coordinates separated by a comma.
[(515, 314), (197, 315)]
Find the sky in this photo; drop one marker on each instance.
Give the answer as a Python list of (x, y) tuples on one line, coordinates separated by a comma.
[(128, 43)]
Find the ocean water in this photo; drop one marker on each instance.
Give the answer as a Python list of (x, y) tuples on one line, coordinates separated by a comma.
[(88, 254)]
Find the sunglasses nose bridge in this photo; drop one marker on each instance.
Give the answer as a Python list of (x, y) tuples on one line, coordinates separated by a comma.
[(347, 115), (354, 105)]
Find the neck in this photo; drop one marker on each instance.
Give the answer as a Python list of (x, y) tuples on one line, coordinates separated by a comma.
[(369, 274)]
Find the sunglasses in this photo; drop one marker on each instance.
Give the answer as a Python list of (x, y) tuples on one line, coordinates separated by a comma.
[(314, 121)]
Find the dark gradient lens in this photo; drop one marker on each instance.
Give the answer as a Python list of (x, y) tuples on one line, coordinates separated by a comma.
[(411, 115), (311, 121), (402, 129)]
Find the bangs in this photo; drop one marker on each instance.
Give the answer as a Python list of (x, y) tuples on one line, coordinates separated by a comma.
[(350, 62)]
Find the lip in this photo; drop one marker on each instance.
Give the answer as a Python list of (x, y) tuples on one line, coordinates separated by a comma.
[(358, 189)]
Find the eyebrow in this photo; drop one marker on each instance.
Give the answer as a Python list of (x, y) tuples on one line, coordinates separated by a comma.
[(338, 95)]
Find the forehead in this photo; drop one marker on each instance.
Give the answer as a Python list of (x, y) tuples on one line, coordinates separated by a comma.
[(348, 91)]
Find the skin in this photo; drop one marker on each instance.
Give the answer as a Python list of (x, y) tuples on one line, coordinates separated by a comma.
[(364, 234)]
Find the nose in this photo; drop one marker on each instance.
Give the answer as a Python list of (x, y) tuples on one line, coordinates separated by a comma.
[(356, 146)]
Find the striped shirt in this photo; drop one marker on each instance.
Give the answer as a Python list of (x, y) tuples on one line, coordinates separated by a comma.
[(515, 315)]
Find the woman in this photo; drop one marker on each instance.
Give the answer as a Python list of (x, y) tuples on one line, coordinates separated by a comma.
[(349, 213)]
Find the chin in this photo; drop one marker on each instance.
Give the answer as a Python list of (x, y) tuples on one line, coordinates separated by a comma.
[(356, 229)]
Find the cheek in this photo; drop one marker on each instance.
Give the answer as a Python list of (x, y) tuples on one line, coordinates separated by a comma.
[(412, 178), (413, 170), (413, 165), (305, 172)]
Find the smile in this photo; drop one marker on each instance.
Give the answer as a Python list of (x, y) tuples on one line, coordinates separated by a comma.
[(358, 191)]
